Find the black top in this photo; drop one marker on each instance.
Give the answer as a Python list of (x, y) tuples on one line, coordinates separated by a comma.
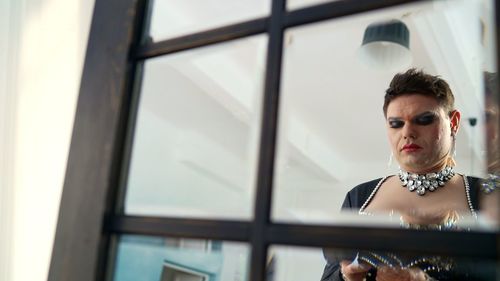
[(355, 199)]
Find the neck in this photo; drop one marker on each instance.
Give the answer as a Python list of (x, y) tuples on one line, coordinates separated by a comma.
[(447, 161), (425, 171)]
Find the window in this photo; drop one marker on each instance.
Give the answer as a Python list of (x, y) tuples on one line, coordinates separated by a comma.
[(157, 115)]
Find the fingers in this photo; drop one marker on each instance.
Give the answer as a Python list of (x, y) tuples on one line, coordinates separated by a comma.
[(386, 273), (350, 268)]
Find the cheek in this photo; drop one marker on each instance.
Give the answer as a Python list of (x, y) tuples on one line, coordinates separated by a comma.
[(393, 137), (440, 135)]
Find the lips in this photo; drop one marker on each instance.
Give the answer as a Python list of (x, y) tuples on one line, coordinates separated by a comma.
[(411, 147)]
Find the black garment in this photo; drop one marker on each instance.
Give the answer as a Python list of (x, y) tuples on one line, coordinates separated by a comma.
[(355, 199), (358, 195)]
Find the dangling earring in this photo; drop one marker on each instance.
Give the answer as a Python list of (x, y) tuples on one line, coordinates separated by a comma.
[(453, 150), (453, 146), (389, 163)]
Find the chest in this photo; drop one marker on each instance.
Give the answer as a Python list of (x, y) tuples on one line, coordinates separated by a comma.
[(390, 197)]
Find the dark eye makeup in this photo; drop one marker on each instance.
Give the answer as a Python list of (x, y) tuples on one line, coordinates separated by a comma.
[(423, 119), (396, 124)]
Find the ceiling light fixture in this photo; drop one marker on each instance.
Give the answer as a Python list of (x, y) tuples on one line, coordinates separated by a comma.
[(386, 45)]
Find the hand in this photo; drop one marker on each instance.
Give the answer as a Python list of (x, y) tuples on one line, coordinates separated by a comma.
[(353, 271), (385, 273)]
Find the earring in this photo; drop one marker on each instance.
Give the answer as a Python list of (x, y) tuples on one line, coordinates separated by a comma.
[(389, 163), (453, 146)]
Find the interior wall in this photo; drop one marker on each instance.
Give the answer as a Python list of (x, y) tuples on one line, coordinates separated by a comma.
[(6, 141), (42, 62)]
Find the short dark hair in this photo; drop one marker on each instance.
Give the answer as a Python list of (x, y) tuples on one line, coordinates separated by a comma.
[(415, 81)]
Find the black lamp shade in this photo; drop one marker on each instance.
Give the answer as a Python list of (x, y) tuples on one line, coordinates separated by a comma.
[(390, 31)]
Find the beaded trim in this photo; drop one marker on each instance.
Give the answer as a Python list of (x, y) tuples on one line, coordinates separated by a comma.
[(426, 263), (369, 199), (467, 194), (379, 184)]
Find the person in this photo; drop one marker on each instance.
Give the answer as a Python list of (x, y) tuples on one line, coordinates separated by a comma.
[(422, 123), (489, 199)]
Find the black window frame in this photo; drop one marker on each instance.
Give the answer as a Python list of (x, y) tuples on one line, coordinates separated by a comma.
[(90, 216)]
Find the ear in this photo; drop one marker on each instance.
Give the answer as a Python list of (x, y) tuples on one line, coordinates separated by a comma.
[(454, 121)]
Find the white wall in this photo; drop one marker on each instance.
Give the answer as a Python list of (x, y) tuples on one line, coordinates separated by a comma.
[(6, 141), (41, 61)]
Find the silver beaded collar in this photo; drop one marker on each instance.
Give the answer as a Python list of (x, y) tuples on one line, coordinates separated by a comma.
[(422, 183)]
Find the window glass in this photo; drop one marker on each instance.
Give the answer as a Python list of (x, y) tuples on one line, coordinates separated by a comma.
[(332, 133), (195, 144), (301, 263), (151, 258), (297, 4), (173, 18)]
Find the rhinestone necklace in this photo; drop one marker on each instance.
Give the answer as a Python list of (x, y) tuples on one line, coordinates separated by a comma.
[(423, 183)]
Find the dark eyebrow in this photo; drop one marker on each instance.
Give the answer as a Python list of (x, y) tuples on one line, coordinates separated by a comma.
[(394, 119), (423, 114)]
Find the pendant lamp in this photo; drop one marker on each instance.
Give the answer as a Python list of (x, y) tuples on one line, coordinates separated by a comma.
[(386, 45)]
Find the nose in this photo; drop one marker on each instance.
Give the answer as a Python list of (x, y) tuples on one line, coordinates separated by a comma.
[(409, 131)]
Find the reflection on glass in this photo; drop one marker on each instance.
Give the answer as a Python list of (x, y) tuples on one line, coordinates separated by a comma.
[(338, 135), (300, 263), (297, 4), (196, 135), (173, 18), (149, 258), (490, 201)]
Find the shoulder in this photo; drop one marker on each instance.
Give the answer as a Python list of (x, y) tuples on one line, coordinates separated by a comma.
[(356, 197), (368, 186), (473, 181), (474, 186)]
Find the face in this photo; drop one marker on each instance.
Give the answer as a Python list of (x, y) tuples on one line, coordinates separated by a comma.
[(419, 132)]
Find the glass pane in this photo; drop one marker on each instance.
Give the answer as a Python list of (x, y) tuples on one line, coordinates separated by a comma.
[(173, 18), (333, 134), (297, 4), (148, 258), (196, 137), (490, 199), (301, 263)]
